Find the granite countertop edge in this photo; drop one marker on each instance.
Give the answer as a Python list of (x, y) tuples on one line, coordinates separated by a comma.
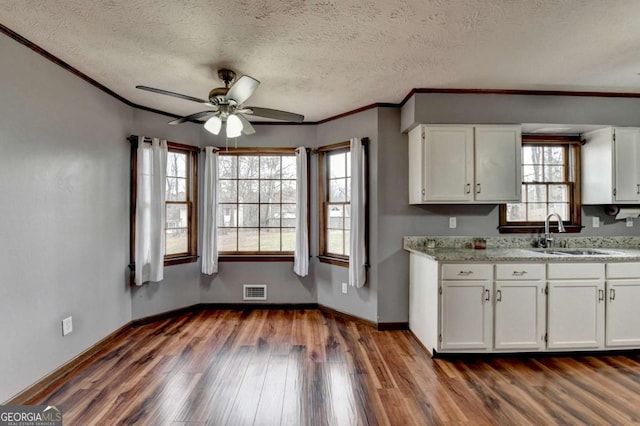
[(520, 255)]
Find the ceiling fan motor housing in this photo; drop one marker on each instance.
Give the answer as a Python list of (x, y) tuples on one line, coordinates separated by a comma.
[(218, 95)]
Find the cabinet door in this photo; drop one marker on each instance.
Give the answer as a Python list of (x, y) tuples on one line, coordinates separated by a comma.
[(575, 314), (519, 315), (497, 163), (623, 315), (627, 167), (448, 163), (466, 314)]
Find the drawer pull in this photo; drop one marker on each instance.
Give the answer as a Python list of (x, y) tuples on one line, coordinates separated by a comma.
[(499, 296), (465, 273), (600, 295), (612, 294), (519, 273), (487, 295)]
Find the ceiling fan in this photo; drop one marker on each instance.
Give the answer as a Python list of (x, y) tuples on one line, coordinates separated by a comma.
[(226, 106)]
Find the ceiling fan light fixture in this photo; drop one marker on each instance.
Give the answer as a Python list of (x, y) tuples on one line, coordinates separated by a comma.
[(213, 125), (234, 126)]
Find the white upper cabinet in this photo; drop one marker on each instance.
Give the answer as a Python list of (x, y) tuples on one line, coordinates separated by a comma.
[(453, 164), (611, 166)]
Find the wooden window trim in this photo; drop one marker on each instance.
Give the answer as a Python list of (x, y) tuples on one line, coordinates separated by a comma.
[(574, 223), (261, 256), (323, 256), (177, 259)]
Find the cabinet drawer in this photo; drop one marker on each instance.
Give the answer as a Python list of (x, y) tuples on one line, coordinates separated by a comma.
[(569, 271), (466, 272), (520, 271), (623, 270)]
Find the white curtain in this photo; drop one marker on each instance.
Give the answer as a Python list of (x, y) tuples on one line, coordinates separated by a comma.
[(209, 226), (301, 255), (150, 213), (357, 250)]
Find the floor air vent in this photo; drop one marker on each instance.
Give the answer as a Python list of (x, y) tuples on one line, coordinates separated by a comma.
[(254, 292)]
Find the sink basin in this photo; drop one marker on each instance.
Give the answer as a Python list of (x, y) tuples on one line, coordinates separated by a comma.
[(576, 252)]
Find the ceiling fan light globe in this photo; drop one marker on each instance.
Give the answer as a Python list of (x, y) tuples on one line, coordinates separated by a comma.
[(234, 126), (213, 125)]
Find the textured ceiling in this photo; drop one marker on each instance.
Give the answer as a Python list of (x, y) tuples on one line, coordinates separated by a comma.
[(321, 58)]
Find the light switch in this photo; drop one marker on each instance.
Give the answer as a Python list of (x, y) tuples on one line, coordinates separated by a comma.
[(452, 222), (596, 222), (629, 222)]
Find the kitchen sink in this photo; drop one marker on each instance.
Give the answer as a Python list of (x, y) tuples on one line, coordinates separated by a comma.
[(576, 252)]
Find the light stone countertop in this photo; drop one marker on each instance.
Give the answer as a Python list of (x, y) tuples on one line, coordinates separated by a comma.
[(500, 249), (522, 255)]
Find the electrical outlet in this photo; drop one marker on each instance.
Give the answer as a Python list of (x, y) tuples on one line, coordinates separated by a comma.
[(629, 222), (596, 222), (345, 286), (453, 222), (67, 326)]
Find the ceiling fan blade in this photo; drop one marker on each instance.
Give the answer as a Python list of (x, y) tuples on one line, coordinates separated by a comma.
[(192, 117), (174, 94), (276, 114), (242, 89), (247, 127)]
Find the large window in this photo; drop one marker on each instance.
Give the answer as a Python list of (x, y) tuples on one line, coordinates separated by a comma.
[(334, 171), (257, 202), (550, 184)]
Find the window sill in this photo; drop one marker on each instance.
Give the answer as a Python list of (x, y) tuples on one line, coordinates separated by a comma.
[(254, 258), (172, 261), (536, 229), (334, 261)]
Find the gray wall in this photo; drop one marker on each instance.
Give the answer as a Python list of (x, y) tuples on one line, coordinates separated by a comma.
[(64, 170), (445, 108), (329, 278)]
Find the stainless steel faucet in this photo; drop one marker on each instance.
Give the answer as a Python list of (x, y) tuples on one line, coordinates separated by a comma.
[(548, 239)]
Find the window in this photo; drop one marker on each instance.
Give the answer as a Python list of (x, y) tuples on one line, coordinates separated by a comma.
[(257, 202), (180, 206), (334, 165), (181, 241), (550, 184)]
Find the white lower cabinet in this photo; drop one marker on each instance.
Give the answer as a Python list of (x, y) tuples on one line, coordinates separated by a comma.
[(465, 308), (575, 306), (519, 308), (622, 313), (511, 307)]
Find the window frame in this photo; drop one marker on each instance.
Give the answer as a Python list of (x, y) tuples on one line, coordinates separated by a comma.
[(226, 256), (323, 192), (191, 255), (571, 144)]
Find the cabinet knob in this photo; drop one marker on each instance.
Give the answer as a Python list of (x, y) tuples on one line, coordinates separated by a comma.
[(499, 296), (487, 295), (612, 294), (477, 188), (465, 273), (519, 273), (600, 295), (468, 190)]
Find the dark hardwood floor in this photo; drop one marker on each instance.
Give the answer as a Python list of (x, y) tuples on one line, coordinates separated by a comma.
[(307, 367)]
